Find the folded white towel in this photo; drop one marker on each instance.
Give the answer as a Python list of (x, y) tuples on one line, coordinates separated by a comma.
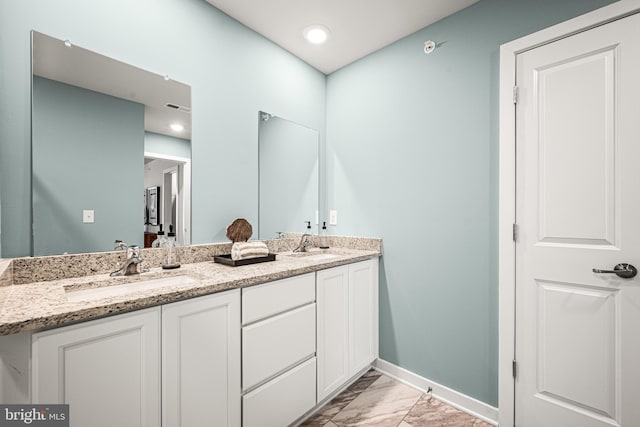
[(244, 250)]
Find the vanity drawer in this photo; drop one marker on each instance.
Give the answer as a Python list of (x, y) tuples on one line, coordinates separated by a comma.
[(262, 301), (275, 344), (282, 400)]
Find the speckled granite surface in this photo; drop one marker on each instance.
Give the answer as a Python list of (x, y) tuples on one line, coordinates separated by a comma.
[(43, 304), (6, 272), (56, 267), (362, 243)]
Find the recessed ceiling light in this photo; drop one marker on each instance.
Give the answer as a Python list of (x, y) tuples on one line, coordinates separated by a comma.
[(177, 127), (316, 34)]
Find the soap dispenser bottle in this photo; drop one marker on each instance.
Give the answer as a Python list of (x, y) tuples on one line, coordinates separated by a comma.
[(170, 256), (324, 243), (158, 242)]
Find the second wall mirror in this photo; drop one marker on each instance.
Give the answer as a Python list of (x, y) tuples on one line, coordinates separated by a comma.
[(289, 176)]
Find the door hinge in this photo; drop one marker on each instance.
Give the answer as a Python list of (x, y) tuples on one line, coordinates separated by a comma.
[(514, 368), (515, 94), (515, 233)]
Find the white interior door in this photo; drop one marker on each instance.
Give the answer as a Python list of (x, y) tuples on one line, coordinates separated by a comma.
[(171, 202), (578, 208)]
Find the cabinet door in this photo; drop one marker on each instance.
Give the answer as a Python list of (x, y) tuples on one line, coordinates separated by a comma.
[(201, 361), (333, 328), (107, 370), (363, 314)]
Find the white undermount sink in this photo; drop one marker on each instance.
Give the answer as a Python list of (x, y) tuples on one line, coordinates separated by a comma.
[(313, 256), (100, 291)]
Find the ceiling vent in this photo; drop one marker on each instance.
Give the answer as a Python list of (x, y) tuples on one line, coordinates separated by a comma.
[(178, 108)]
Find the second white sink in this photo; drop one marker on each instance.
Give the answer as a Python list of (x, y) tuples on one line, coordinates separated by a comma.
[(313, 256), (320, 257)]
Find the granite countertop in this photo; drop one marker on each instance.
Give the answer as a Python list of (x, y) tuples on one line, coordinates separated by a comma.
[(43, 305)]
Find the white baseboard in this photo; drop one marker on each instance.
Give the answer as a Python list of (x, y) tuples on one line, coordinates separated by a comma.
[(451, 397)]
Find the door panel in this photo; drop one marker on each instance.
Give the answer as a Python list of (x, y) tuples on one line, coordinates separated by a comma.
[(332, 290), (578, 208), (201, 361), (575, 321), (363, 319), (107, 370), (567, 132)]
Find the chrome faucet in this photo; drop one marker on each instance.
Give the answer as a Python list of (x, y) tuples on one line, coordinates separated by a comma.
[(132, 260), (119, 244), (304, 242)]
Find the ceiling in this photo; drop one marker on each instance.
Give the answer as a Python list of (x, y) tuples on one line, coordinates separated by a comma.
[(80, 67), (357, 27)]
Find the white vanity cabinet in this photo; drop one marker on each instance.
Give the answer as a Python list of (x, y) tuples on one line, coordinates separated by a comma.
[(201, 361), (173, 365), (278, 351), (347, 305), (107, 370), (260, 356)]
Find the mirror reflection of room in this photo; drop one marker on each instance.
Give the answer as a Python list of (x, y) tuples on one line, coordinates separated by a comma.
[(98, 124), (167, 175), (288, 168)]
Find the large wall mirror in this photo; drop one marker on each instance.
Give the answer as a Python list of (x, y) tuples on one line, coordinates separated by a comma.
[(288, 163), (104, 133)]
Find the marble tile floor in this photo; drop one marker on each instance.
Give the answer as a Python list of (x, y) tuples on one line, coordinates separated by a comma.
[(380, 401)]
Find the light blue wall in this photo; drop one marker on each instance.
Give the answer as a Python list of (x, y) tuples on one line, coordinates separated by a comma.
[(233, 73), (87, 162), (165, 144), (413, 158)]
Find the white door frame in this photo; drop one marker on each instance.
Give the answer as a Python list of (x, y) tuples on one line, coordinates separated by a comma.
[(178, 226), (186, 203), (507, 184)]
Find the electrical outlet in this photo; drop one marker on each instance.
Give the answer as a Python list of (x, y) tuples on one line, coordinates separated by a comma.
[(333, 217), (88, 216)]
